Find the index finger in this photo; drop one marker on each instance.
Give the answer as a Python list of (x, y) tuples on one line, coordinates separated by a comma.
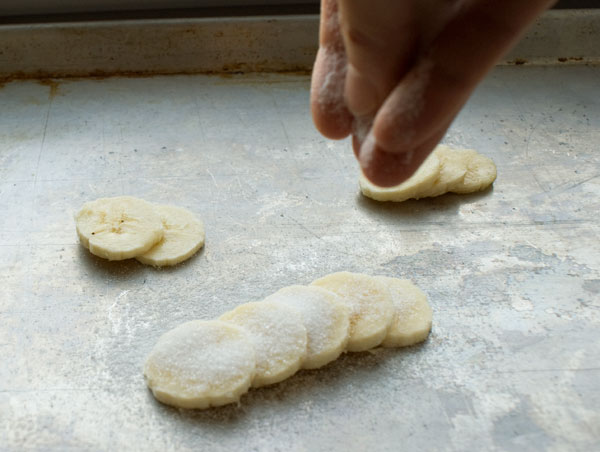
[(328, 107)]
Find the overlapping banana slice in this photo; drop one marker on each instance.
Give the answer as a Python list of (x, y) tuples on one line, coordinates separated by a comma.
[(278, 336), (411, 321), (452, 171), (183, 236), (118, 228), (195, 366), (480, 174), (201, 364), (445, 170), (124, 227), (370, 305), (325, 317)]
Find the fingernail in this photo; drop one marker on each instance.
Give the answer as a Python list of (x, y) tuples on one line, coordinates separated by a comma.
[(360, 94)]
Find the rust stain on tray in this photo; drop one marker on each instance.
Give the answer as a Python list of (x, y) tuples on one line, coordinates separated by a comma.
[(52, 84), (49, 78), (565, 59)]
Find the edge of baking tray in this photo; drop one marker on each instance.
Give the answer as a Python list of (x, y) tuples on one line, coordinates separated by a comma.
[(236, 44)]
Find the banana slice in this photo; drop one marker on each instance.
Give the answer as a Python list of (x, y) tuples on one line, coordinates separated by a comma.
[(412, 316), (481, 173), (118, 228), (326, 319), (418, 183), (458, 171), (278, 336), (370, 304), (184, 235), (201, 364), (453, 168)]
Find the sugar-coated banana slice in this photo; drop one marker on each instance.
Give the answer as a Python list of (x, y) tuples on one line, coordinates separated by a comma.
[(183, 237), (325, 317), (200, 364), (412, 313), (278, 336), (370, 304), (452, 170), (481, 173), (118, 228), (419, 182)]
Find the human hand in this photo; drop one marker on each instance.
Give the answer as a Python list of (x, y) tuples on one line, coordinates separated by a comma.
[(395, 73)]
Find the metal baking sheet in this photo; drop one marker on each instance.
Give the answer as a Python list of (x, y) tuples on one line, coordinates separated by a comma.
[(513, 273)]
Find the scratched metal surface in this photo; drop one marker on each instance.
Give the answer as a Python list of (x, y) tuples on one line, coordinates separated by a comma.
[(513, 274)]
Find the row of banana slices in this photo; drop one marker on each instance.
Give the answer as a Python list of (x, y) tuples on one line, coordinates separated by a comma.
[(125, 227), (206, 363), (445, 170)]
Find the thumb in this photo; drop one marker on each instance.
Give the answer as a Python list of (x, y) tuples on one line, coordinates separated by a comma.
[(380, 41)]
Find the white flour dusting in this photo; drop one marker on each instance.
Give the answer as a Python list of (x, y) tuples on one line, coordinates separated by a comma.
[(406, 104), (331, 92)]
